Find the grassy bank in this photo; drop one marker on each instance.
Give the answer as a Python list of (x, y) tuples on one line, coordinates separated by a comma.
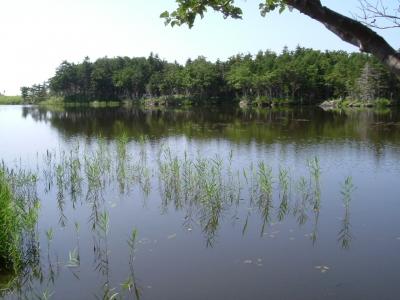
[(7, 100), (57, 102)]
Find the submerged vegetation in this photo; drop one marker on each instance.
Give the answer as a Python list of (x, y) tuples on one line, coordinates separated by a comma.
[(301, 76)]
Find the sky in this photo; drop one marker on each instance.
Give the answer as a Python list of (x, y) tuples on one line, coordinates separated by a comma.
[(36, 36)]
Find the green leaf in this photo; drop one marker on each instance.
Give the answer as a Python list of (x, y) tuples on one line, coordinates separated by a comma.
[(282, 8), (165, 14)]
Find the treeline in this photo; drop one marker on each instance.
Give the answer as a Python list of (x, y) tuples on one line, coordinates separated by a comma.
[(300, 76), (35, 93)]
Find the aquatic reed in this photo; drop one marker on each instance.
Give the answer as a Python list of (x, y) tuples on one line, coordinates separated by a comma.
[(10, 229), (18, 217), (344, 235)]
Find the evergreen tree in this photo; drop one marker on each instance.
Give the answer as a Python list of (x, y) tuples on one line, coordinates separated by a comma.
[(368, 83)]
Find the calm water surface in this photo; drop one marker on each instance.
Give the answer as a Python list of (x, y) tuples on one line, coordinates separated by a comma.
[(310, 242)]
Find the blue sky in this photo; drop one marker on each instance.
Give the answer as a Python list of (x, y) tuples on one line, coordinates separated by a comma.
[(37, 35)]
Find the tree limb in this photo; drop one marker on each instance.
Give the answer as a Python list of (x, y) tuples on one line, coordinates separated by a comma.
[(350, 31)]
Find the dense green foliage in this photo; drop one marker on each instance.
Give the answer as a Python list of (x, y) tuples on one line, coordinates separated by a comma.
[(35, 93), (18, 218), (301, 76), (187, 11), (9, 232), (349, 30)]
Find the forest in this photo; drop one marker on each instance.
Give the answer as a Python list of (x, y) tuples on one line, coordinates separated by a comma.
[(299, 76)]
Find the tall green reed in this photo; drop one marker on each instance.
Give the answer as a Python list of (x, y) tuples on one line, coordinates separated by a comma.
[(345, 237), (18, 218)]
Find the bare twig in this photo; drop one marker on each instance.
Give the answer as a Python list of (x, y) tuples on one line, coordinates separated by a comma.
[(376, 14)]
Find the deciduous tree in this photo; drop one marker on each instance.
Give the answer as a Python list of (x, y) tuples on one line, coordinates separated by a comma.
[(348, 29)]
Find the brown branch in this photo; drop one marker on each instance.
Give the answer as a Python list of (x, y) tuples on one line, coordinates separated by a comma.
[(351, 31)]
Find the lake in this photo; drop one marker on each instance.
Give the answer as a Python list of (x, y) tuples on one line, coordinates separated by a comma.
[(211, 203)]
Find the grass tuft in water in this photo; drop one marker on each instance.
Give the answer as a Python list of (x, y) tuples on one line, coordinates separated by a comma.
[(130, 284), (73, 261), (265, 199), (284, 193), (345, 236)]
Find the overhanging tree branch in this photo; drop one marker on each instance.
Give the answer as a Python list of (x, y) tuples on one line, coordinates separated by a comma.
[(348, 29), (351, 31)]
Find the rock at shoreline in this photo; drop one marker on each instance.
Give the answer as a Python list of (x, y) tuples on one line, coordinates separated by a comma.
[(330, 104)]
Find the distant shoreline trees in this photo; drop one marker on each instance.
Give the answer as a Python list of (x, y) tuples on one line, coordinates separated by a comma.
[(375, 14), (36, 93), (303, 76)]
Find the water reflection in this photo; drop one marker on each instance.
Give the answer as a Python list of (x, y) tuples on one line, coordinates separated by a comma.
[(301, 126), (117, 156)]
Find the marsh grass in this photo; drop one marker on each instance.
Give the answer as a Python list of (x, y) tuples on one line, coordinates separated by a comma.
[(102, 254), (315, 175), (265, 180), (284, 193), (138, 170), (73, 261), (19, 249), (93, 172), (122, 161), (265, 201), (74, 175), (206, 188), (130, 283), (61, 187), (303, 202), (201, 184), (49, 237), (48, 170), (345, 236), (11, 230)]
